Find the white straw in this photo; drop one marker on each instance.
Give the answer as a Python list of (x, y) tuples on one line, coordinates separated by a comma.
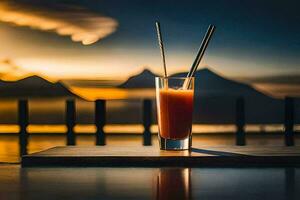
[(161, 46)]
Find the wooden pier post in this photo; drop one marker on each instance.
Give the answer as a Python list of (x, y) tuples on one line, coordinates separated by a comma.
[(100, 120), (70, 121), (147, 121), (23, 121), (289, 121), (240, 122)]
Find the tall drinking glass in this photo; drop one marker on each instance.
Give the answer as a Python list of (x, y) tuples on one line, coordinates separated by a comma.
[(174, 112)]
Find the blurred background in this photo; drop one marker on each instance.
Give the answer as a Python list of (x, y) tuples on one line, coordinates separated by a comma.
[(54, 50)]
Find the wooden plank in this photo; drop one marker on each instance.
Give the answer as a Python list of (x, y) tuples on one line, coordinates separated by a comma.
[(147, 121), (70, 121), (289, 121), (100, 121), (148, 156), (23, 121), (240, 122)]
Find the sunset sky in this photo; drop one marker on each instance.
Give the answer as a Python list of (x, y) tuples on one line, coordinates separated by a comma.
[(114, 39)]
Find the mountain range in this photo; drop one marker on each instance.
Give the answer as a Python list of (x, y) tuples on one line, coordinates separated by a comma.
[(145, 79), (207, 83), (33, 86)]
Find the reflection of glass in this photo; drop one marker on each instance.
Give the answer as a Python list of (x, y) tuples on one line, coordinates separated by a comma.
[(174, 112), (173, 183)]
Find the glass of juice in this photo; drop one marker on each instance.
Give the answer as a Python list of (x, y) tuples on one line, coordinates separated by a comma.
[(174, 100)]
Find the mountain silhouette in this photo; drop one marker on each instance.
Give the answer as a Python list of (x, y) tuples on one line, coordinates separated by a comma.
[(145, 79), (33, 86), (207, 82), (215, 98)]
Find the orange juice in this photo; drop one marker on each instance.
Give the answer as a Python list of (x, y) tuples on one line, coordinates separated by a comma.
[(175, 112)]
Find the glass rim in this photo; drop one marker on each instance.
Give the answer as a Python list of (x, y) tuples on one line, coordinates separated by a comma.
[(172, 77)]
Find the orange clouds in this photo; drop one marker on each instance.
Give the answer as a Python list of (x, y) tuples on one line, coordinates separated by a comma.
[(9, 71), (79, 24)]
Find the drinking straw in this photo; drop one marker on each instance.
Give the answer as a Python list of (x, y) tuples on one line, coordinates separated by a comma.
[(199, 56), (161, 46)]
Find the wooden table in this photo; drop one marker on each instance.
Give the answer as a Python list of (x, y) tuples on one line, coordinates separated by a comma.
[(151, 156)]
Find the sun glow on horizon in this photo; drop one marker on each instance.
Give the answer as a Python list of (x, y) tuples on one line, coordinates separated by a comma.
[(92, 94)]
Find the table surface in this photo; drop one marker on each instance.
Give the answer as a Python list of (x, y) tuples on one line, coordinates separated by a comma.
[(121, 183), (143, 156)]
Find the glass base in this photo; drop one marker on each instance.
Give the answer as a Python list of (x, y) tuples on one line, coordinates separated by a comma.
[(176, 144)]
